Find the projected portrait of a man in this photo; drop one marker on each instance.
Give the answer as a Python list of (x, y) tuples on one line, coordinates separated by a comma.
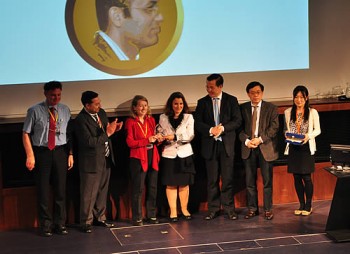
[(124, 37), (126, 27)]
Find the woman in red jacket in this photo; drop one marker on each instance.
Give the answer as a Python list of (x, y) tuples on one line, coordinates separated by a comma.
[(144, 159)]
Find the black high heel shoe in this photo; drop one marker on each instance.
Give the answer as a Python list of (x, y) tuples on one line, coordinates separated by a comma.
[(188, 217), (174, 219)]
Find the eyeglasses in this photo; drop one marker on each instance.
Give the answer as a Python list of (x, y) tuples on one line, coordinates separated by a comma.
[(255, 93), (154, 10)]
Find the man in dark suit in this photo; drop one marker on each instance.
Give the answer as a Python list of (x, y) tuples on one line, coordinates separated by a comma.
[(217, 117), (259, 146), (95, 158)]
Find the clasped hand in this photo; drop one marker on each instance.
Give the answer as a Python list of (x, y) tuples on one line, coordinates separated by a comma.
[(217, 130), (254, 143)]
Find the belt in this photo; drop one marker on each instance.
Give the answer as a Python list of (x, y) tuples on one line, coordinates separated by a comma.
[(149, 146), (46, 148)]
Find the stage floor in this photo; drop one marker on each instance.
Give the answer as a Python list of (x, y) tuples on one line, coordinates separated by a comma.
[(286, 233)]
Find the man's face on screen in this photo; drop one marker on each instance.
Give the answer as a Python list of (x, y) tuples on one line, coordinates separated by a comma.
[(143, 25)]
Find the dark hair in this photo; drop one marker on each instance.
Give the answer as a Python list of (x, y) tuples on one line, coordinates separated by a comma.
[(219, 79), (134, 102), (52, 85), (169, 104), (87, 97), (305, 94), (102, 9), (254, 84)]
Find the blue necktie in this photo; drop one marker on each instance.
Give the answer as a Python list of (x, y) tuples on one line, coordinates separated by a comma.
[(216, 111), (216, 114)]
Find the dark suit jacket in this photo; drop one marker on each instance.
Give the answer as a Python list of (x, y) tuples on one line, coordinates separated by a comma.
[(230, 118), (268, 128), (91, 141)]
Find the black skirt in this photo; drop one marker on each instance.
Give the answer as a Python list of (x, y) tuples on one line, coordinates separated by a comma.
[(172, 172), (300, 160)]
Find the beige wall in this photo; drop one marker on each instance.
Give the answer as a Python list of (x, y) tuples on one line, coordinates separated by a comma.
[(329, 66)]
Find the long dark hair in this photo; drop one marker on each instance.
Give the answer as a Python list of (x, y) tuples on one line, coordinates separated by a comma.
[(169, 104), (305, 94), (169, 111)]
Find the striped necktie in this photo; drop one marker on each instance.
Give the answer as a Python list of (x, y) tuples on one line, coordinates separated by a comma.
[(107, 150)]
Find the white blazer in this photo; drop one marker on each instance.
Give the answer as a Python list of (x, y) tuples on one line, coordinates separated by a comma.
[(184, 134), (314, 128)]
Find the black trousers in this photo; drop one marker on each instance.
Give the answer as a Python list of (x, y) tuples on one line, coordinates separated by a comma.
[(255, 160), (51, 168), (139, 179), (220, 165)]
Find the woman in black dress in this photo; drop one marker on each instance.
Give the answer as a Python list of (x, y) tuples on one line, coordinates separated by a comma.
[(304, 120)]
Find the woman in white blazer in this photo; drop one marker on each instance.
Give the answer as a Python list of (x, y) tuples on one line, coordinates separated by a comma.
[(176, 166), (301, 119)]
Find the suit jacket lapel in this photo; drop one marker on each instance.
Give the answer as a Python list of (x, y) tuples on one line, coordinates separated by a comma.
[(222, 105), (248, 113), (89, 118), (262, 115), (210, 109)]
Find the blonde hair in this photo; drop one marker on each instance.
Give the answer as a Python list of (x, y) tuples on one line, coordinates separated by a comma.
[(134, 103)]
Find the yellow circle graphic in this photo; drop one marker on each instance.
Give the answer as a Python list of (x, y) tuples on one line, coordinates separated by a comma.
[(124, 37)]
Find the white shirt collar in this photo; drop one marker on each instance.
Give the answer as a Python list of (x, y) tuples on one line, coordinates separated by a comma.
[(219, 96), (115, 47), (259, 104)]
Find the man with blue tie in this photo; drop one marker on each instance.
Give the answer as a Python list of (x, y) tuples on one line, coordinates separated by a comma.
[(259, 147), (217, 118)]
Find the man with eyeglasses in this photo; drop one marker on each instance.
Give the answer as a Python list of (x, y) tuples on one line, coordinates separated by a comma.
[(259, 147), (126, 27)]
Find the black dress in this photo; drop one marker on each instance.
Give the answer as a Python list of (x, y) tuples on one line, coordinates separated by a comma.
[(300, 160), (171, 173)]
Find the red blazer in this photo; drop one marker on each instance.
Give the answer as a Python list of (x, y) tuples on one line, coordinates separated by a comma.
[(137, 135)]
